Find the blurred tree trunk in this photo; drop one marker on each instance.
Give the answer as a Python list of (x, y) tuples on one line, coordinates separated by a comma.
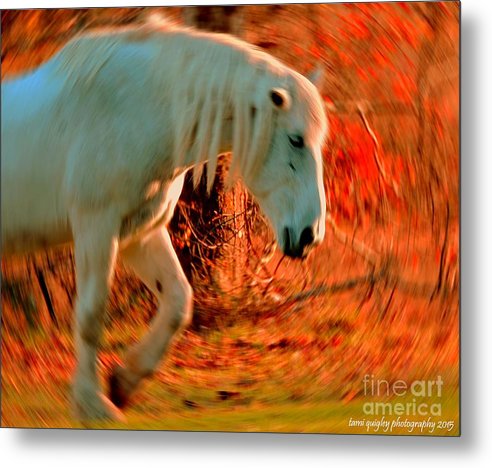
[(223, 19), (433, 16)]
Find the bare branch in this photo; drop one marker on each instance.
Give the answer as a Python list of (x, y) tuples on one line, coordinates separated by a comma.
[(391, 183), (358, 247)]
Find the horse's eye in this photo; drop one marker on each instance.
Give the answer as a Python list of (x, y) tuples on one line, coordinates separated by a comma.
[(296, 141)]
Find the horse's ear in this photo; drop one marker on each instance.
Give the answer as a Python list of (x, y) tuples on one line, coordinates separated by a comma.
[(280, 98), (316, 76)]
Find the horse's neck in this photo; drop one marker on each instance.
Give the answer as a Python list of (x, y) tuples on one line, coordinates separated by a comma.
[(225, 145)]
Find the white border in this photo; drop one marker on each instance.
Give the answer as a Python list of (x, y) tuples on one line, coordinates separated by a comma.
[(145, 449)]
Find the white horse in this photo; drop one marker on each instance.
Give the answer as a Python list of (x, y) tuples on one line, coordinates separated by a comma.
[(95, 145)]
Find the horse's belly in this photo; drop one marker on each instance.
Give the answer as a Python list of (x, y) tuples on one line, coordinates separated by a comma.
[(26, 241), (25, 231), (33, 211)]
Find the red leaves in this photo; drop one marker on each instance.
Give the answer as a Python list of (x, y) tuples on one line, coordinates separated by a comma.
[(357, 27), (404, 88), (381, 58), (336, 341), (346, 59), (327, 100), (316, 50), (361, 151), (405, 7), (298, 51), (362, 74), (387, 44), (354, 182)]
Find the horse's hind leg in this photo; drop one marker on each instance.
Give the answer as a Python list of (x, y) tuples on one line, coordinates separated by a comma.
[(153, 259), (96, 244)]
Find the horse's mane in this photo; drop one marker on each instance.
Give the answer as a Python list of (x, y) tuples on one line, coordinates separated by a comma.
[(216, 78)]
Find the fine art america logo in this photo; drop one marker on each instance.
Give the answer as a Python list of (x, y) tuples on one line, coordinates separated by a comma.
[(417, 389), (402, 406)]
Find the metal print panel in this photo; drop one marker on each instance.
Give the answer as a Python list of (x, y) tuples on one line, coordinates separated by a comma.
[(231, 218)]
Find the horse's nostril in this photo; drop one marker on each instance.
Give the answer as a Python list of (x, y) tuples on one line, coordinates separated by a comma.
[(287, 238), (307, 237), (298, 250)]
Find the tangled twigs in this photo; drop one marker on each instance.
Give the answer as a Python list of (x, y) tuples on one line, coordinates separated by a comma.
[(383, 278), (341, 286)]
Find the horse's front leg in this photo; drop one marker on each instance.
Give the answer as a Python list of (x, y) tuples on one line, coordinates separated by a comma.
[(153, 259), (96, 244)]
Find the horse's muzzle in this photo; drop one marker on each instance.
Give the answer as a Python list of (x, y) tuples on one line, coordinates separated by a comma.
[(303, 247)]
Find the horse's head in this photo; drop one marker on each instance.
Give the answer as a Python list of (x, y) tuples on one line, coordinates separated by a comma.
[(289, 184), (274, 121)]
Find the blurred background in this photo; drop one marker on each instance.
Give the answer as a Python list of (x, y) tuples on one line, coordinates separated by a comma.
[(278, 345)]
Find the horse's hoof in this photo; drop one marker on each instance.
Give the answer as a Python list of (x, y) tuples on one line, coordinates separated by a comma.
[(100, 409), (118, 391), (112, 411)]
